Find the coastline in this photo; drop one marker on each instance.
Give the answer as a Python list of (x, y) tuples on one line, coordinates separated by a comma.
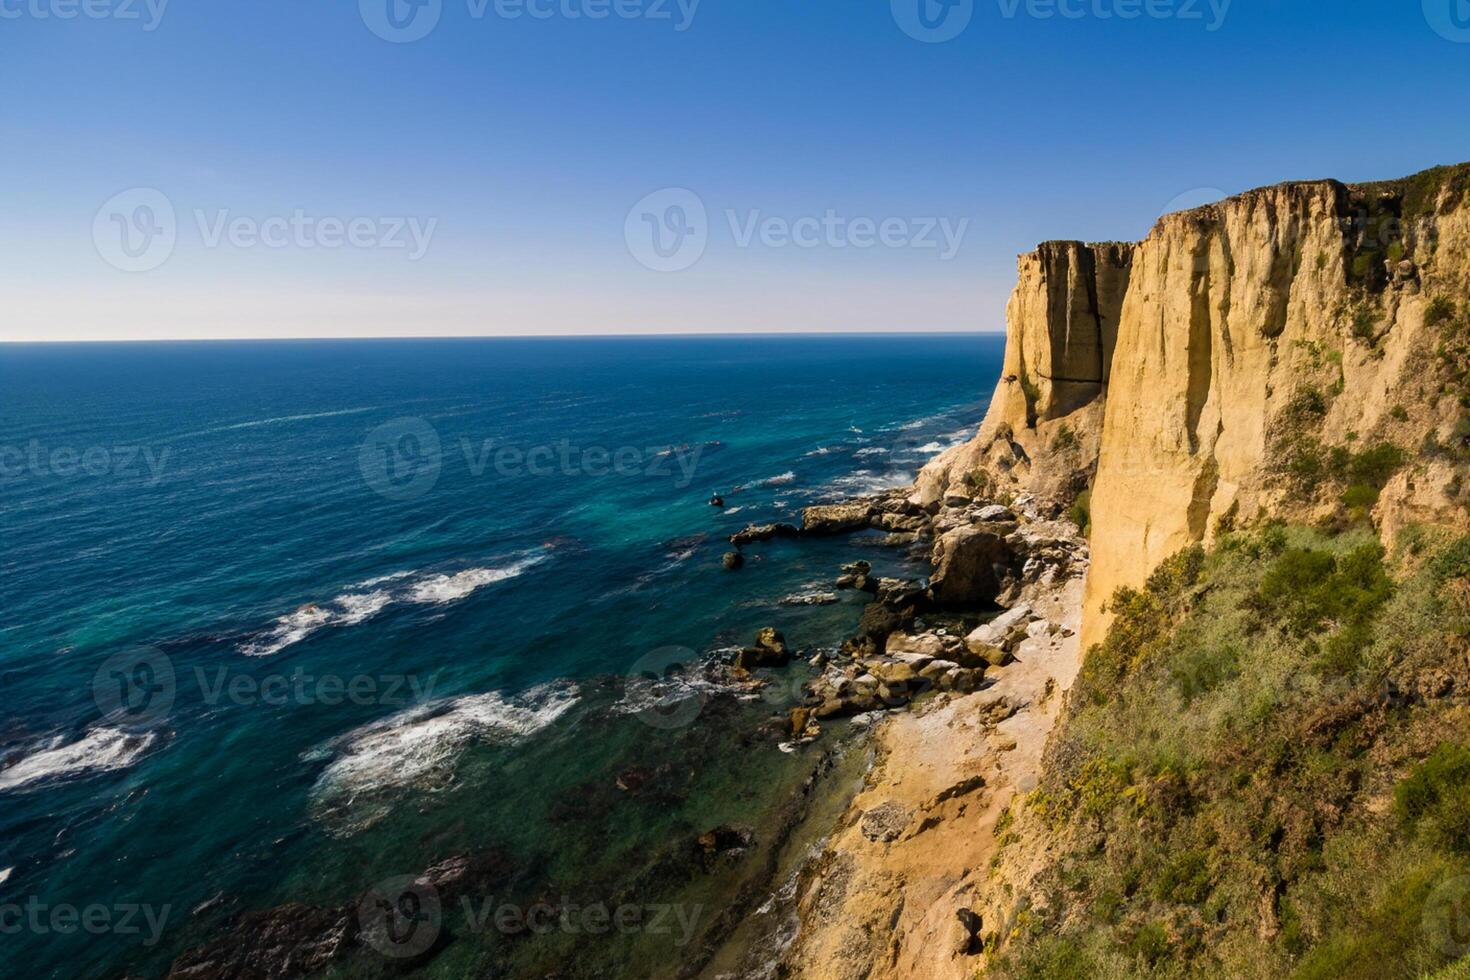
[(899, 881)]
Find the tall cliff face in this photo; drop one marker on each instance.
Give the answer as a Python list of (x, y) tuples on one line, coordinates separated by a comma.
[(1041, 431), (1245, 358)]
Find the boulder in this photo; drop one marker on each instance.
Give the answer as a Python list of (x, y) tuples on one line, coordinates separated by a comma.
[(891, 673), (732, 560), (928, 644), (878, 621), (898, 592), (964, 561), (995, 513), (1003, 632), (773, 640), (936, 669), (836, 518)]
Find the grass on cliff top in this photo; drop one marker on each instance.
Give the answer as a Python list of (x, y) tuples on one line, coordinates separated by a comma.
[(1264, 771)]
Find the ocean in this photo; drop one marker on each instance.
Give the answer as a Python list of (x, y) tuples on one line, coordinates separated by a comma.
[(283, 621)]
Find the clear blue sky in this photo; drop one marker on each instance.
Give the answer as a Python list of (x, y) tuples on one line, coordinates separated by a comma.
[(519, 146)]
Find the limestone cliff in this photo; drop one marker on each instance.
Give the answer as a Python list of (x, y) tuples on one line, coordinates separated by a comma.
[(1243, 359), (1042, 427)]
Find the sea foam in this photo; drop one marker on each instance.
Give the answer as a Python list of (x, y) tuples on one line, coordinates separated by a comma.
[(99, 750), (417, 748), (353, 607)]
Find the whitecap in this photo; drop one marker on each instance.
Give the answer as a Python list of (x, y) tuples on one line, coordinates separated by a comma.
[(823, 451), (418, 748), (352, 608), (871, 451), (734, 510), (5, 875), (100, 750), (779, 480)]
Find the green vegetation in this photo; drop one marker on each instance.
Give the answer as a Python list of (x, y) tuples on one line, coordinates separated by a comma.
[(1441, 311), (1080, 513), (1065, 439), (1262, 770)]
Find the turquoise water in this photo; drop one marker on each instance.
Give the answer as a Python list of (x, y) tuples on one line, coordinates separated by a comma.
[(282, 620)]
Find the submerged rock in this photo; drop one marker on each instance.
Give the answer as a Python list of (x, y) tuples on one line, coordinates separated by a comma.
[(732, 561), (763, 532)]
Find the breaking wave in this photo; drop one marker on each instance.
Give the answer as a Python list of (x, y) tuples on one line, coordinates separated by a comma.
[(100, 750), (356, 606), (418, 749)]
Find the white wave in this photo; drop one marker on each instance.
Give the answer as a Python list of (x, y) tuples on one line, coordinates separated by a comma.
[(255, 423), (734, 510), (352, 608), (439, 589), (867, 481), (871, 451), (823, 451), (932, 447), (5, 875), (100, 750), (418, 748), (779, 480)]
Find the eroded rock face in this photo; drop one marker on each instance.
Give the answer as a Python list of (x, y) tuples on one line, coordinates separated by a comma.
[(1162, 375)]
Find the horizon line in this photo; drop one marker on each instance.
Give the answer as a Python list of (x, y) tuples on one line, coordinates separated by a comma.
[(523, 336)]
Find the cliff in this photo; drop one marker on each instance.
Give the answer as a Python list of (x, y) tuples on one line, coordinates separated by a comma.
[(1278, 353)]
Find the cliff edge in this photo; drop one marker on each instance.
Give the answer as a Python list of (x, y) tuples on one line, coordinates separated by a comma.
[(1243, 352)]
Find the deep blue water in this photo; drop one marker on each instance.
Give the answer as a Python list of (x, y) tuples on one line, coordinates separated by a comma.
[(205, 545)]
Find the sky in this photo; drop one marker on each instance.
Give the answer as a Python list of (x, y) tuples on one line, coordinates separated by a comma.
[(279, 168)]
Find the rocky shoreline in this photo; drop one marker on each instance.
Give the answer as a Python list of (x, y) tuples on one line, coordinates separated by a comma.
[(963, 674)]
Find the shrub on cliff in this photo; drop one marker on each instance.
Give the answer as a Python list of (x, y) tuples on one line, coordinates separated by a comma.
[(1213, 795)]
